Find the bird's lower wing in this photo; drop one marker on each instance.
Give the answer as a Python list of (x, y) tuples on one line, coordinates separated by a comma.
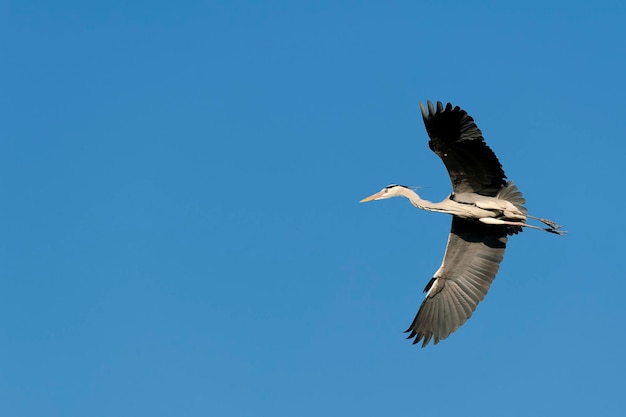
[(472, 259)]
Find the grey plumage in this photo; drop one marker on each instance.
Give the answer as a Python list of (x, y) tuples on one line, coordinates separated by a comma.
[(454, 292)]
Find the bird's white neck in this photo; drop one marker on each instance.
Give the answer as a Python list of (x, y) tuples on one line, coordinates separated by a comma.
[(418, 201)]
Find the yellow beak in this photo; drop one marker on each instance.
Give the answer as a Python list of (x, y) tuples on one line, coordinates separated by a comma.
[(370, 198)]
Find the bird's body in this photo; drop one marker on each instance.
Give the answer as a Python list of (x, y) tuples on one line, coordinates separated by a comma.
[(467, 206), (485, 210)]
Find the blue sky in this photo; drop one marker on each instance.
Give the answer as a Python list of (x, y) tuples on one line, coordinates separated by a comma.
[(181, 233)]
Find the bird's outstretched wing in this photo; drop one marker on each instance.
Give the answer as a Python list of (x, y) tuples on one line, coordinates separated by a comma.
[(471, 164), (472, 259)]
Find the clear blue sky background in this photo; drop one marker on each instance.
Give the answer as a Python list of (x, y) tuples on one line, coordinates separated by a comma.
[(181, 233)]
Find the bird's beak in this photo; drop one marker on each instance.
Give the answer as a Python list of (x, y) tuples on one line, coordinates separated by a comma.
[(372, 197)]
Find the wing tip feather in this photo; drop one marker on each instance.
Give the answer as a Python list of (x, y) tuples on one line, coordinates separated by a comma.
[(431, 109), (424, 114)]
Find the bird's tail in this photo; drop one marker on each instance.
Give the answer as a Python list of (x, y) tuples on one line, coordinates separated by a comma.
[(511, 194)]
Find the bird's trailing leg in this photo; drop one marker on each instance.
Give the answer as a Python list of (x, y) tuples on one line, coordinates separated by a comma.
[(547, 222), (555, 229)]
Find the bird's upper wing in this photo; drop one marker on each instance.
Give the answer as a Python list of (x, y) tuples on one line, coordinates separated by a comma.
[(471, 164), (472, 259)]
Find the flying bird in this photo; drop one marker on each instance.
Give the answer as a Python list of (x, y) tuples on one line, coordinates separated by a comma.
[(485, 209)]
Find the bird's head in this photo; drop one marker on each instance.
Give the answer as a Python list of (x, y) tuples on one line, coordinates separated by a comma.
[(389, 191)]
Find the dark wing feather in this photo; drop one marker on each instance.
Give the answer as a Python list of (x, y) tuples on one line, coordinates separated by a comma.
[(472, 259), (471, 164)]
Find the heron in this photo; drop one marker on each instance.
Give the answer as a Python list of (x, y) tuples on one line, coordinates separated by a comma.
[(486, 209)]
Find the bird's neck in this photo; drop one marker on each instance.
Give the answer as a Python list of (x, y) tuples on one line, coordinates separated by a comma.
[(418, 201)]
